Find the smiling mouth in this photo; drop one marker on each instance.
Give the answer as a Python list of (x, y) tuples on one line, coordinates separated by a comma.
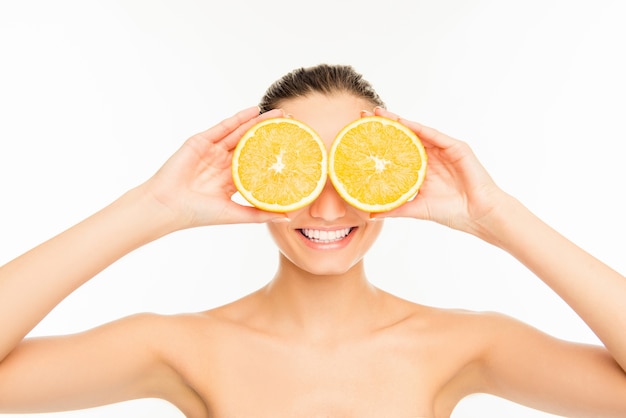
[(324, 236)]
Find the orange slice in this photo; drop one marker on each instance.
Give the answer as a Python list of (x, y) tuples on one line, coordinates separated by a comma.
[(280, 165), (376, 164)]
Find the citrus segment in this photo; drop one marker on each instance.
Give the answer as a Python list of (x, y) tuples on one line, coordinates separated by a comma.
[(280, 165), (376, 164)]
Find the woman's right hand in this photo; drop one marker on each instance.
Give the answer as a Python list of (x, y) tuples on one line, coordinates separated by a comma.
[(193, 188), (195, 184)]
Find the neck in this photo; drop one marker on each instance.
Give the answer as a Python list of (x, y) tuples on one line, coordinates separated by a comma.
[(320, 305)]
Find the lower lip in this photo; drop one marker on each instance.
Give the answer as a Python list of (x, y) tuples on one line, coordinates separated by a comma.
[(327, 246)]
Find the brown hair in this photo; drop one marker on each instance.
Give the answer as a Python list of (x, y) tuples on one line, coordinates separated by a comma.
[(325, 79)]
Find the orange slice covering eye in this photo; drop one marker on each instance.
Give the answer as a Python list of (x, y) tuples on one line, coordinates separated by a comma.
[(280, 165), (376, 164)]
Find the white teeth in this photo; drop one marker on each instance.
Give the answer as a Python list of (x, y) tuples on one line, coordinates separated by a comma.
[(319, 235)]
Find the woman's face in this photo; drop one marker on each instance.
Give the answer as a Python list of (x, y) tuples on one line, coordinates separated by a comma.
[(328, 236)]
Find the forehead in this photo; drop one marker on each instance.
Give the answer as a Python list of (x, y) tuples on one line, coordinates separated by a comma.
[(326, 114)]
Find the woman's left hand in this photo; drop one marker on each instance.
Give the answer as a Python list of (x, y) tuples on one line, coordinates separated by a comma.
[(457, 191)]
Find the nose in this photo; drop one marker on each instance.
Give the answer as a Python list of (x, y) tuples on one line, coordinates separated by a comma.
[(328, 206)]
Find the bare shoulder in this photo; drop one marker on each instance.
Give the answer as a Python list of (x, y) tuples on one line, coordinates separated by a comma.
[(490, 352), (447, 322), (452, 340), (465, 337)]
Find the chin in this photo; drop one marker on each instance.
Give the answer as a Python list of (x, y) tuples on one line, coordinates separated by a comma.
[(327, 267)]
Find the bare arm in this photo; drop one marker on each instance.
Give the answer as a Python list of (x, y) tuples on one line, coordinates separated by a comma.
[(34, 283), (114, 362), (593, 289), (193, 188), (535, 368), (524, 365)]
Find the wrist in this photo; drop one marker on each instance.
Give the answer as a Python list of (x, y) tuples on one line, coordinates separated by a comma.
[(498, 225), (146, 215)]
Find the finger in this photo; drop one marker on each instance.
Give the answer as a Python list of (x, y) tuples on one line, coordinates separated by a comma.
[(429, 135), (232, 139), (412, 209), (250, 214), (399, 212), (228, 125), (381, 111)]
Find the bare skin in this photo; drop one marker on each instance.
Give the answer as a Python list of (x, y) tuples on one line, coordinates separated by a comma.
[(319, 339)]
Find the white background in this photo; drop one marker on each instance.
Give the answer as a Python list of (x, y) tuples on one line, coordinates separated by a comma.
[(95, 95)]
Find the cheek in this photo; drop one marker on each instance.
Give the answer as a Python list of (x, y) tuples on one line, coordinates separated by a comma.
[(371, 233), (279, 233)]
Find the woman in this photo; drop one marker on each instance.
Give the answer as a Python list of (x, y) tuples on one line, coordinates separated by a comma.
[(318, 339)]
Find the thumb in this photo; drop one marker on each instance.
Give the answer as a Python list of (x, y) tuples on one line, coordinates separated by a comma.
[(415, 208)]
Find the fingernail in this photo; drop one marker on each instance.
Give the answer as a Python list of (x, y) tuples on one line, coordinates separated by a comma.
[(365, 113)]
